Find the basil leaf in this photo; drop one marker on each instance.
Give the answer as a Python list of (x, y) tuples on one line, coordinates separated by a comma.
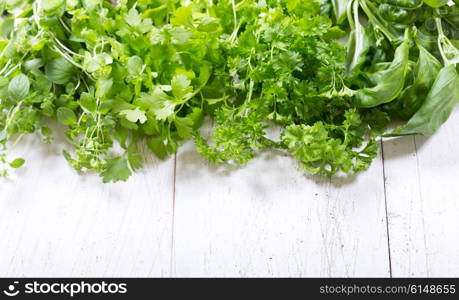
[(340, 7), (59, 71), (19, 87), (412, 98), (438, 106), (66, 116), (436, 3), (391, 81), (359, 45)]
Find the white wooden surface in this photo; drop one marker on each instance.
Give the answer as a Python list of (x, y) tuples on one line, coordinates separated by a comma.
[(185, 218), (54, 222), (422, 189)]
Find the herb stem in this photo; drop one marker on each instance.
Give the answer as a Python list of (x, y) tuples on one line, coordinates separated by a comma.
[(376, 22), (350, 17)]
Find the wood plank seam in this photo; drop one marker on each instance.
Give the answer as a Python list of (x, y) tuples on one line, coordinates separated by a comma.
[(385, 206), (421, 205), (171, 263)]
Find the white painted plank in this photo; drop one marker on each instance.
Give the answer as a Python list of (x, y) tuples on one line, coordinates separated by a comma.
[(54, 222), (405, 211), (423, 204), (267, 219)]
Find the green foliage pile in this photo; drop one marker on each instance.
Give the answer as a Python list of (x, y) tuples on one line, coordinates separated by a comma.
[(122, 72)]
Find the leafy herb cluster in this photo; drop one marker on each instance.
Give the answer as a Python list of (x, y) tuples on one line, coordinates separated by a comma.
[(405, 60), (122, 72)]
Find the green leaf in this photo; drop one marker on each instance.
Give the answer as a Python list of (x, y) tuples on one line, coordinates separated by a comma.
[(95, 63), (197, 117), (49, 5), (425, 74), (436, 3), (3, 135), (19, 87), (391, 81), (59, 71), (66, 116), (179, 35), (316, 150), (165, 109), (181, 87), (88, 102), (340, 8), (135, 65), (359, 43), (17, 163), (133, 17), (204, 74), (182, 16), (6, 27), (158, 147), (134, 156), (161, 104), (53, 7), (184, 127), (103, 87), (208, 24), (134, 115), (438, 106), (92, 4), (117, 170)]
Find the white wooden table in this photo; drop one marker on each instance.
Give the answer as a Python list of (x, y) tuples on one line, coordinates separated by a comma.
[(185, 218)]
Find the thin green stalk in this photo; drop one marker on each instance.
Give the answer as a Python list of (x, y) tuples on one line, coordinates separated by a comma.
[(350, 17), (392, 38), (66, 49)]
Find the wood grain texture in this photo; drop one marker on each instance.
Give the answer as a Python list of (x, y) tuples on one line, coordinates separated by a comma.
[(423, 205), (54, 222), (267, 219)]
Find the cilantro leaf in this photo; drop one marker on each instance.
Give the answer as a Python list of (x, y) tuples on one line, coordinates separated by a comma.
[(181, 87), (133, 17), (134, 115), (117, 170)]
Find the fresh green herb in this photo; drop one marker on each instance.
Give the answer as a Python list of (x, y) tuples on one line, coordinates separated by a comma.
[(126, 72)]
